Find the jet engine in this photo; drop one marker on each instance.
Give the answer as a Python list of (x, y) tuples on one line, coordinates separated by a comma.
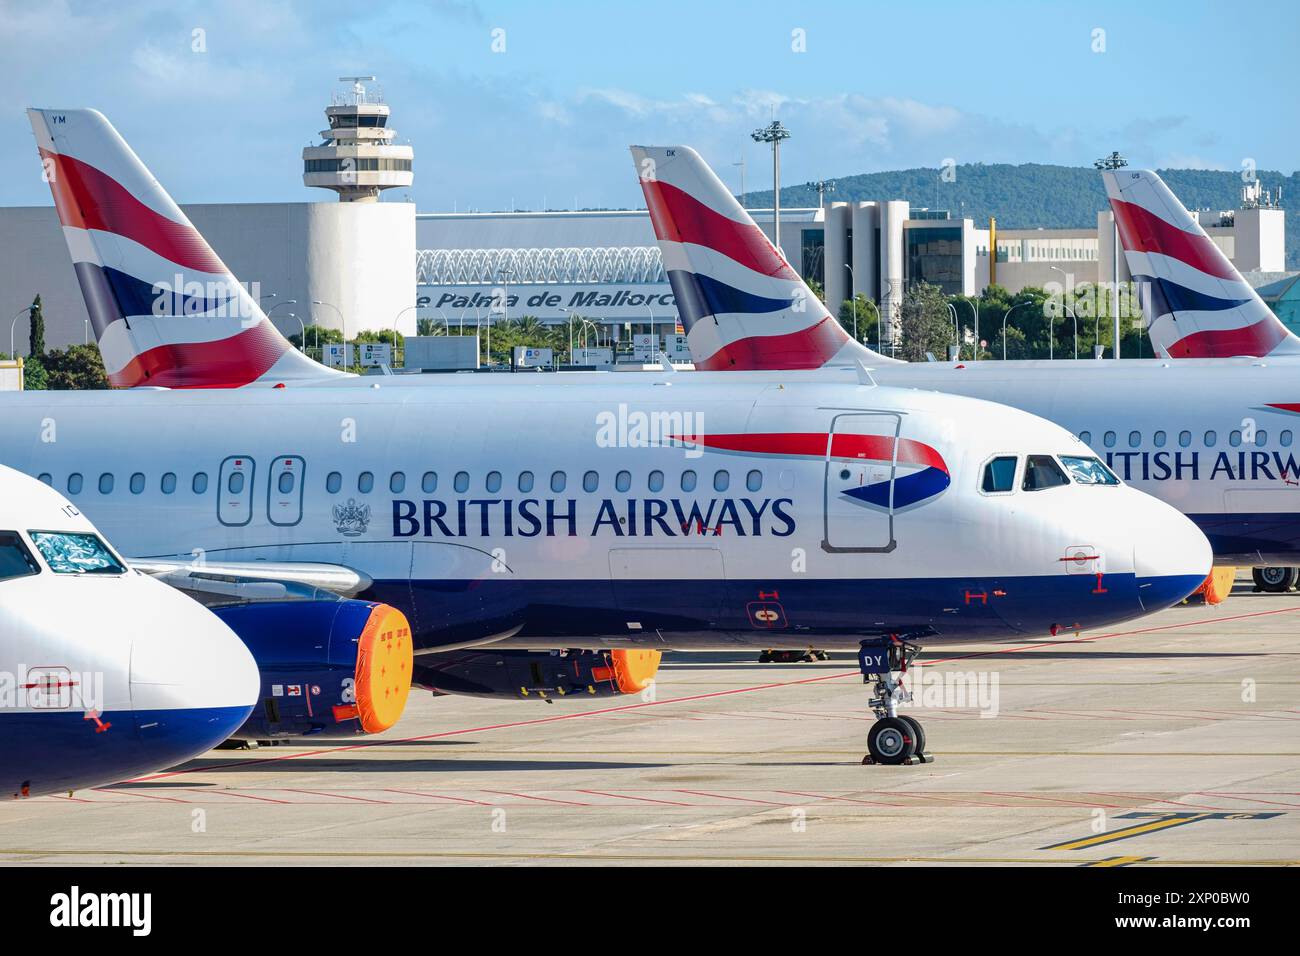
[(537, 675), (328, 668)]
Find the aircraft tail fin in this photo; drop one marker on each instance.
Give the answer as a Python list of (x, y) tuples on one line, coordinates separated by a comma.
[(165, 309), (741, 304), (1197, 303)]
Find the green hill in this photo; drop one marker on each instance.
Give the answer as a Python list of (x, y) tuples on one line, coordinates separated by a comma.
[(1033, 195)]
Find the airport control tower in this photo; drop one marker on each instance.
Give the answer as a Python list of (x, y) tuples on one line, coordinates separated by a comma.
[(357, 157)]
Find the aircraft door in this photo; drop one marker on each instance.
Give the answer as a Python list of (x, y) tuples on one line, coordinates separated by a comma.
[(861, 466), (235, 491), (284, 491)]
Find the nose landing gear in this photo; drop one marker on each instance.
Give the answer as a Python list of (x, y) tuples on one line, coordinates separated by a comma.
[(893, 738)]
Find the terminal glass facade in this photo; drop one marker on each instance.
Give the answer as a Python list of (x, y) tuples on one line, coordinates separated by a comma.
[(934, 256)]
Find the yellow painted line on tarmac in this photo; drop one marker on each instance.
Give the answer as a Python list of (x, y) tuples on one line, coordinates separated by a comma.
[(1129, 832), (1120, 861)]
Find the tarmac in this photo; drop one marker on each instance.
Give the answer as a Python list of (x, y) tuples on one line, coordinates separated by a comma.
[(1174, 742)]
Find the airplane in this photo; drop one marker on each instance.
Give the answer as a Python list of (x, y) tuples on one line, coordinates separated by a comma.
[(104, 672), (1212, 437), (1197, 304), (533, 528)]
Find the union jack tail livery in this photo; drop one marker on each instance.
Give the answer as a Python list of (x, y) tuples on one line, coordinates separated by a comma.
[(1197, 303), (166, 310), (741, 303)]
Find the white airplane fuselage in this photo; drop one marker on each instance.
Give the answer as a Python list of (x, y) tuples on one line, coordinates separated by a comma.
[(568, 511)]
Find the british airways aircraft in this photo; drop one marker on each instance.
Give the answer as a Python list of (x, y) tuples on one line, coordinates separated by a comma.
[(532, 527), (1214, 438), (104, 672)]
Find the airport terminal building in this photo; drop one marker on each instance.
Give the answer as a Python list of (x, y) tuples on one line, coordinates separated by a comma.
[(361, 263)]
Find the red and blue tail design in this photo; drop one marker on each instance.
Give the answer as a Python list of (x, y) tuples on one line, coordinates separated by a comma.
[(165, 309), (1198, 304), (920, 473), (741, 303)]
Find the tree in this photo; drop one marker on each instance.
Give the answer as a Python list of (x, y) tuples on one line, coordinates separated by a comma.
[(77, 367), (35, 378), (926, 323), (868, 318), (36, 329), (428, 326), (317, 335)]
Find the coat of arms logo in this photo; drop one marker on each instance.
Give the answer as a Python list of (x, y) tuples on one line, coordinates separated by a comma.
[(352, 519)]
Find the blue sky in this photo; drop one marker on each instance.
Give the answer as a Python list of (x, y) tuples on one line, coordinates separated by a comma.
[(878, 86)]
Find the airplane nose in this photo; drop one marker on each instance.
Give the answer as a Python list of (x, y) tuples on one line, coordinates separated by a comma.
[(1171, 557), (193, 681)]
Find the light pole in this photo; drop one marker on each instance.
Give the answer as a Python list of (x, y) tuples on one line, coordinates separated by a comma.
[(976, 313), (271, 311), (853, 298), (774, 133), (1069, 309), (880, 318), (1004, 324), (956, 326), (1112, 162), (13, 325)]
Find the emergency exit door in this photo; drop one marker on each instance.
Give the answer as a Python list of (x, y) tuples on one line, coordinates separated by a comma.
[(861, 465), (235, 491)]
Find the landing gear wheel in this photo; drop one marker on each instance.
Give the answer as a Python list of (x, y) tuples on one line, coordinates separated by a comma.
[(891, 741), (1274, 580), (765, 657), (917, 732)]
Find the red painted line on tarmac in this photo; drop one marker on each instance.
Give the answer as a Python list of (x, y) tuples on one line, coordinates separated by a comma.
[(62, 796), (1036, 796), (625, 796), (724, 796), (529, 796), (236, 793), (439, 796), (1233, 796), (827, 796), (1142, 800), (693, 697), (146, 796), (341, 796)]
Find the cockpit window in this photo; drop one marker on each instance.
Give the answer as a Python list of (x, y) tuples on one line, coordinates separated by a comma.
[(15, 560), (999, 475), (1042, 471), (75, 553), (1089, 471)]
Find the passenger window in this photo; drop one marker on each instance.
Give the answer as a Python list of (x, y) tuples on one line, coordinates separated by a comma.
[(1109, 439), (1042, 471), (285, 482), (525, 481), (558, 481), (754, 480), (366, 482), (461, 481), (688, 480), (137, 483), (656, 481), (1234, 438), (493, 482), (1261, 438), (46, 478), (999, 475), (622, 481), (74, 483), (168, 483), (1134, 439), (1210, 439), (106, 483), (1184, 439), (200, 483), (1285, 438), (1158, 439), (1085, 437), (235, 483), (397, 482), (15, 560), (590, 481), (721, 480), (429, 483), (333, 482)]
